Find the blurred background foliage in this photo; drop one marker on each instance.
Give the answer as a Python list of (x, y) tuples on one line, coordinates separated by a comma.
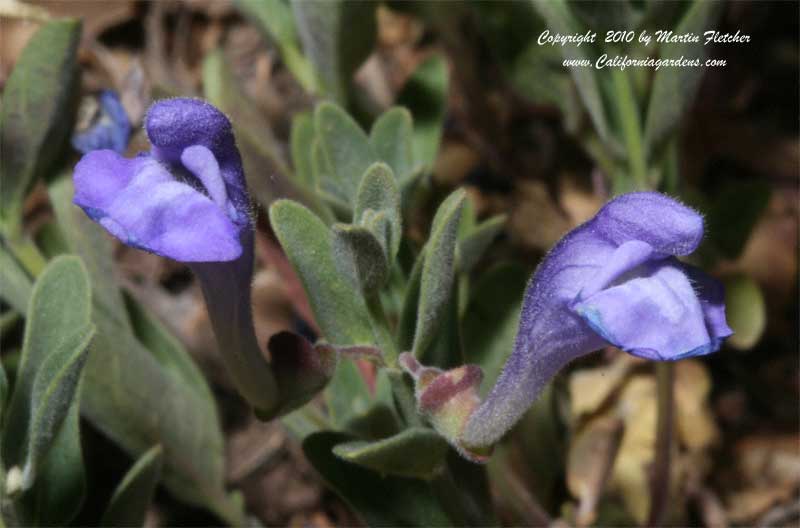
[(493, 112)]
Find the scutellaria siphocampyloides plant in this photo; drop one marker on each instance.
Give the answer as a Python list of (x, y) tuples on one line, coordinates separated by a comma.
[(187, 199)]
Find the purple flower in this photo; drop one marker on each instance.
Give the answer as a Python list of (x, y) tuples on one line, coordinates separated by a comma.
[(109, 126), (614, 280), (186, 199)]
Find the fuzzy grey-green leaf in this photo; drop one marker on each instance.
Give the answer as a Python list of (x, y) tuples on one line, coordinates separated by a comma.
[(359, 256), (131, 498), (416, 453), (346, 151), (437, 271), (307, 242), (60, 305), (376, 499), (391, 137), (60, 488), (54, 388), (378, 192), (34, 124)]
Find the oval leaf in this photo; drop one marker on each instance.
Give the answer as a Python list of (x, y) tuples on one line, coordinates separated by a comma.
[(60, 304), (341, 315), (344, 150), (379, 501), (360, 257), (378, 192), (391, 137), (34, 126), (415, 453), (438, 271)]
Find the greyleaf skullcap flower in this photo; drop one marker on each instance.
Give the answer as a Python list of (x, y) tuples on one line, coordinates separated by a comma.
[(186, 199), (614, 280)]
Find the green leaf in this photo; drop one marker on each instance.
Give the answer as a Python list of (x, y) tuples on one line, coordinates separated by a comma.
[(15, 285), (391, 137), (378, 192), (53, 391), (426, 93), (302, 142), (58, 322), (379, 501), (60, 487), (490, 322), (274, 18), (133, 398), (417, 453), (341, 316), (559, 19), (34, 119), (129, 503), (337, 37), (344, 152), (438, 271), (745, 310), (360, 257), (674, 88), (477, 240)]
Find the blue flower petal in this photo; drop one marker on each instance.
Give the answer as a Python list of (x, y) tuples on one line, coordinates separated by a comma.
[(138, 201), (655, 316)]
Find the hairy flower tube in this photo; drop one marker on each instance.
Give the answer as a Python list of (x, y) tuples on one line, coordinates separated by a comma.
[(107, 127), (186, 199), (614, 280)]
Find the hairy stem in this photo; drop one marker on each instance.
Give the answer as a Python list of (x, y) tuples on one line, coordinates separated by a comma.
[(660, 476)]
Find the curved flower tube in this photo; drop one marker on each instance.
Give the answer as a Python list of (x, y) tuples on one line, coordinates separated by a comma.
[(110, 127), (186, 199), (614, 280)]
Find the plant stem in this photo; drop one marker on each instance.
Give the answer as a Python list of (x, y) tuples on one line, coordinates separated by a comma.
[(660, 476), (628, 113)]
